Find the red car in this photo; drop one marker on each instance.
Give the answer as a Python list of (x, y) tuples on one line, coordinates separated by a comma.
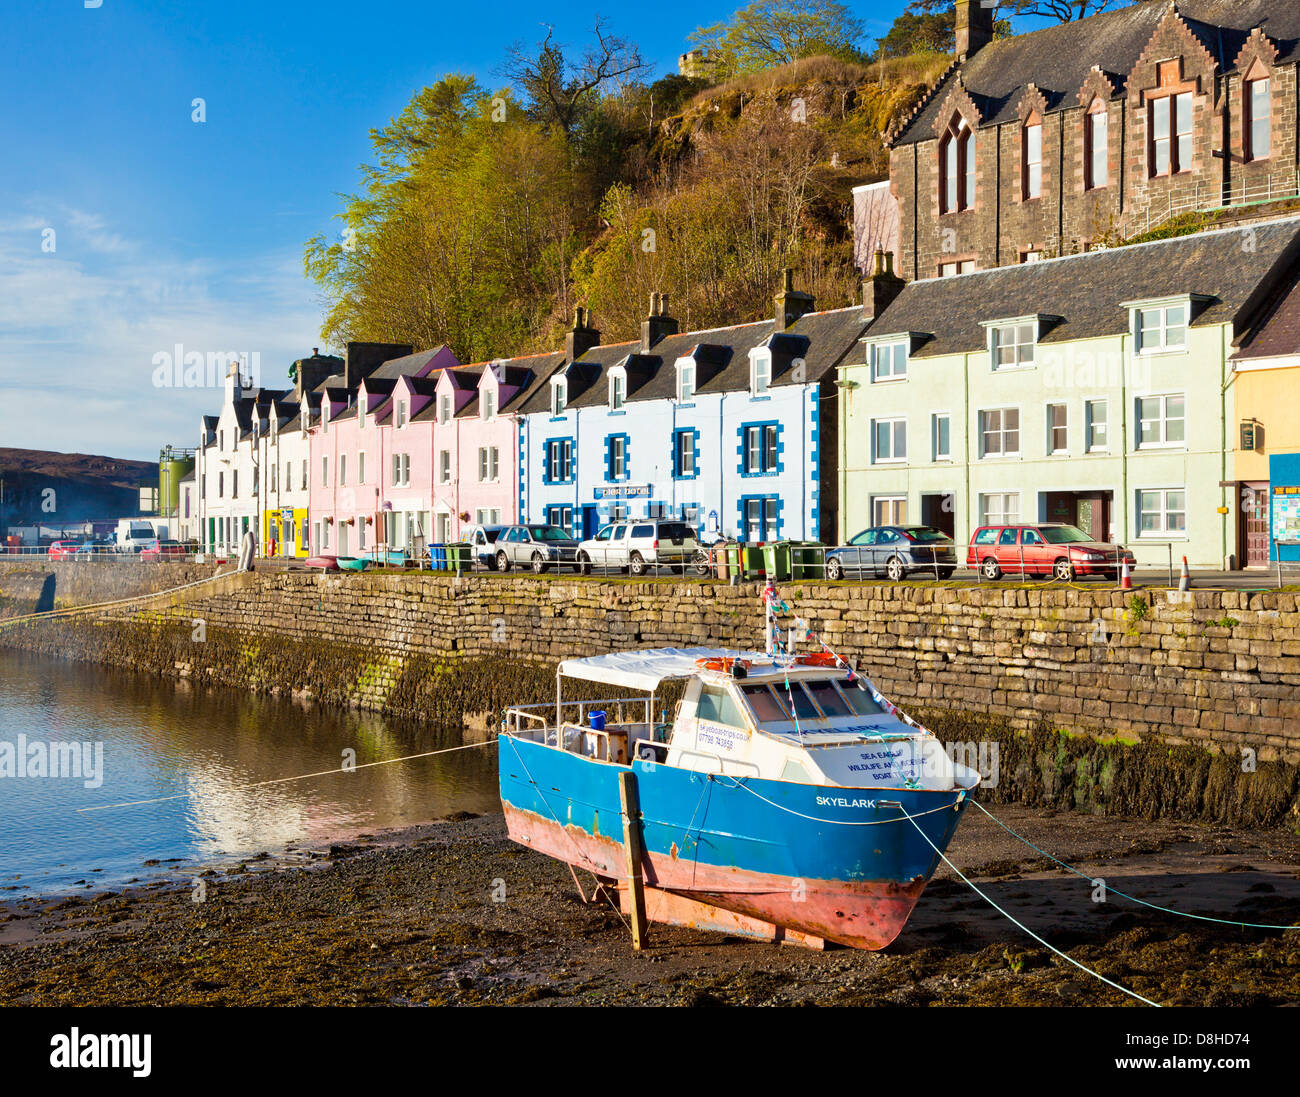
[(64, 550), (1065, 552), (156, 550)]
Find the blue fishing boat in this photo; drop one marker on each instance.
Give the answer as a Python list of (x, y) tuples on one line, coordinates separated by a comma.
[(787, 799)]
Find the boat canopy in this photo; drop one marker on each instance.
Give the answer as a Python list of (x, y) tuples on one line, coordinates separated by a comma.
[(646, 669)]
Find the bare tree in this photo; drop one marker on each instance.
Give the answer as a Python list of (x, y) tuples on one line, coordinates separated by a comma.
[(1064, 11), (557, 88)]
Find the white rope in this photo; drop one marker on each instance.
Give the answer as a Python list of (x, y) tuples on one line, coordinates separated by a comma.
[(1017, 922), (299, 777), (72, 611)]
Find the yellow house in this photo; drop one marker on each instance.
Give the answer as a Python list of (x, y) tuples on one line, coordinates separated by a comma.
[(287, 527)]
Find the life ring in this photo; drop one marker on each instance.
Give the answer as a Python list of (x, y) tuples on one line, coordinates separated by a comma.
[(725, 664), (818, 659)]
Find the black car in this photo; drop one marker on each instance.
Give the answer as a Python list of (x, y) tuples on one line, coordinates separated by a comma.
[(893, 551)]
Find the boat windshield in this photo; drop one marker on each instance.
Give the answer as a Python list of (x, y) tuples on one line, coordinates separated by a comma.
[(815, 699)]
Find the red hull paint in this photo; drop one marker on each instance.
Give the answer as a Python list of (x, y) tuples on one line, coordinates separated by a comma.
[(866, 914)]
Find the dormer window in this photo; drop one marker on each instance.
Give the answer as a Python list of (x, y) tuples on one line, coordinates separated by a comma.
[(399, 415), (1257, 120), (760, 372), (617, 391), (559, 396), (324, 418), (685, 381), (1032, 158), (444, 408), (1012, 343), (957, 167), (1160, 327), (888, 360), (488, 403), (361, 413)]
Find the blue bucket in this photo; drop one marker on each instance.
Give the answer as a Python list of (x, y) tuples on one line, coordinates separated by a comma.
[(597, 720)]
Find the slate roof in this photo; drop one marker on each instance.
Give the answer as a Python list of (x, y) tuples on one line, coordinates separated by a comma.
[(1087, 291), (540, 366), (406, 365), (1277, 335), (1057, 59)]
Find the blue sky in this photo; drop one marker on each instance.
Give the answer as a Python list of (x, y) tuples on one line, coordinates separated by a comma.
[(166, 231)]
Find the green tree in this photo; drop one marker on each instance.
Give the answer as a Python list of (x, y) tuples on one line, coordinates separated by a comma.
[(774, 32), (917, 32)]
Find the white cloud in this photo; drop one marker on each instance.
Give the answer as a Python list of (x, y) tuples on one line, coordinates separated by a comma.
[(78, 335)]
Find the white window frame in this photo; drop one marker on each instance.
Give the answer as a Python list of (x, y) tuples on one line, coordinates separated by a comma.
[(1053, 449), (894, 503), (1090, 425), (885, 362), (617, 389), (760, 371), (444, 466), (1164, 420), (489, 464), (487, 403), (1097, 146), (444, 408), (895, 458), (361, 467), (1251, 119), (1164, 531), (938, 455), (617, 457), (1004, 516), (399, 414), (324, 471), (559, 397), (1143, 342), (1033, 161), (997, 329), (685, 380), (343, 470), (1002, 432)]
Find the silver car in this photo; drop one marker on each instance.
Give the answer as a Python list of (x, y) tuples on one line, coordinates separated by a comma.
[(538, 546), (634, 546)]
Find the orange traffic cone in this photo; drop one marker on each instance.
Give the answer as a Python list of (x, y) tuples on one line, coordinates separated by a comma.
[(1125, 577), (1185, 579)]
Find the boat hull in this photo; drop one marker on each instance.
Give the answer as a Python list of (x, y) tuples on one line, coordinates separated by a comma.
[(836, 863)]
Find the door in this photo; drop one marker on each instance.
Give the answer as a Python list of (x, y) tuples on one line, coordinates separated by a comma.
[(940, 512), (1255, 501), (599, 552), (590, 522), (858, 555), (887, 544), (1008, 550), (343, 539), (1038, 555)]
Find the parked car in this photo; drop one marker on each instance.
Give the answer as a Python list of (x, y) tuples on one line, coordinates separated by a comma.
[(538, 545), (1049, 548), (893, 551), (158, 549), (635, 545), (482, 544), (62, 550)]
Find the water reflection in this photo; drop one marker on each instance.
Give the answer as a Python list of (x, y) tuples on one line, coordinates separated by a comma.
[(203, 749)]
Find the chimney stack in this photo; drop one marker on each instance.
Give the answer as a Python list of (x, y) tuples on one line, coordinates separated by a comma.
[(582, 337), (879, 291), (974, 27), (658, 324), (790, 302)]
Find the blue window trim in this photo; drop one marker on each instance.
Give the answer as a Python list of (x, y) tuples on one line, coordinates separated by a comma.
[(609, 459), (695, 445), (743, 430), (742, 524), (547, 478)]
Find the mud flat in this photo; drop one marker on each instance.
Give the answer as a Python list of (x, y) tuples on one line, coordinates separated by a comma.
[(453, 913)]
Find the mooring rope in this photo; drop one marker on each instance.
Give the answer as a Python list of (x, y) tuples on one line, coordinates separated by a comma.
[(298, 777), (72, 611), (1010, 917), (1125, 895)]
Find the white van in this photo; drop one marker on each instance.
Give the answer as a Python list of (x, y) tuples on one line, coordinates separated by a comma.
[(133, 534)]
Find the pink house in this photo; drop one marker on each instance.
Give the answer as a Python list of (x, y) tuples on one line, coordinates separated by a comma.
[(371, 466), (476, 473)]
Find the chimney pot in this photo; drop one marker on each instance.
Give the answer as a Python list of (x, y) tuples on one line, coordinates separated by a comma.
[(658, 324), (974, 26)]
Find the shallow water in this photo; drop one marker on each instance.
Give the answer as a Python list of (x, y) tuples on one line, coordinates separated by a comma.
[(150, 739)]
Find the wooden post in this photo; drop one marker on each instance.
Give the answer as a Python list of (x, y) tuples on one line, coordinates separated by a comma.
[(632, 851)]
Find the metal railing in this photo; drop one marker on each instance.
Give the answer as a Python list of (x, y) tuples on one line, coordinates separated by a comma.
[(1210, 198)]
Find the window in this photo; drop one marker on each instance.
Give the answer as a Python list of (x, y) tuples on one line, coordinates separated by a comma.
[(1032, 159), (1163, 328), (1171, 134), (1058, 430), (617, 469), (963, 266), (559, 397), (762, 521), (762, 449), (1162, 512), (221, 485), (490, 516), (444, 408), (275, 478), (1257, 123), (617, 391), (444, 466), (1031, 255), (488, 403), (889, 510), (957, 168), (304, 474), (1000, 508), (1096, 140), (1000, 432), (324, 472), (561, 516), (234, 484), (401, 469), (361, 414), (716, 706), (941, 436), (1013, 346), (684, 454), (1095, 413), (686, 382), (889, 440), (760, 374), (288, 476), (889, 361), (1162, 420), (361, 468), (559, 460), (487, 463), (399, 416), (343, 470)]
